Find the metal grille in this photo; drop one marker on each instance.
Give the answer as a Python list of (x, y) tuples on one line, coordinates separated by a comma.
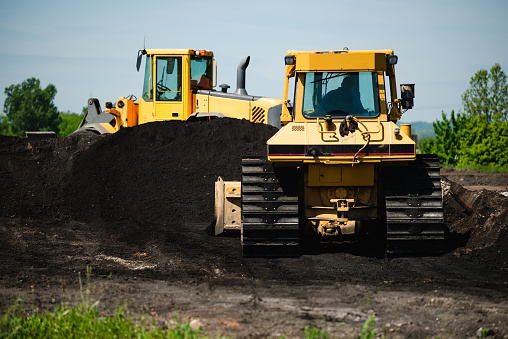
[(258, 115), (298, 128)]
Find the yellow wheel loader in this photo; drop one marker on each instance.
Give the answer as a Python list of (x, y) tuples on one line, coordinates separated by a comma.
[(340, 166), (178, 85)]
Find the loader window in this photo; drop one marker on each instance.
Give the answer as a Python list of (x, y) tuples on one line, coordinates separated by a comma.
[(147, 84), (201, 73), (169, 79), (340, 94)]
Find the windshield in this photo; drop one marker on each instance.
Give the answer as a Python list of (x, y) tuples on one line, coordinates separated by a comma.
[(340, 94)]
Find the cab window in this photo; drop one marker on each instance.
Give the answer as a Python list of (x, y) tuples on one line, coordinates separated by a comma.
[(340, 93), (201, 72), (147, 83), (169, 79)]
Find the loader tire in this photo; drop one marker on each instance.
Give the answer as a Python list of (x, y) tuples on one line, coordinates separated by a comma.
[(270, 214)]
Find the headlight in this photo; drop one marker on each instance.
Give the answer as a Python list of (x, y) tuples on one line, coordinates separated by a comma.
[(392, 59), (289, 59)]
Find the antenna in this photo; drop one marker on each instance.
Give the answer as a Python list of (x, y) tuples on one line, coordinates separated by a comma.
[(140, 54)]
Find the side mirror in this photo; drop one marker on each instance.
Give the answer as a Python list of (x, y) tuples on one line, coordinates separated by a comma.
[(407, 93), (140, 56)]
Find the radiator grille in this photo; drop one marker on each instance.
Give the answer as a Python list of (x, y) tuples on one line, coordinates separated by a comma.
[(298, 128)]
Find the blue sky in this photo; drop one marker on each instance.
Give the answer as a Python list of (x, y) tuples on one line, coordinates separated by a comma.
[(89, 48)]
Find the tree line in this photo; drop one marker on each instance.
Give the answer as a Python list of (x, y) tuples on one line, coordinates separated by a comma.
[(28, 107), (477, 136)]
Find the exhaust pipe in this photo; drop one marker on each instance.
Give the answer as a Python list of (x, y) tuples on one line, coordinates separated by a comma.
[(240, 76)]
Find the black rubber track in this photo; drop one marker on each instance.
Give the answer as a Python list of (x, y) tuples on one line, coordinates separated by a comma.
[(414, 207), (270, 223)]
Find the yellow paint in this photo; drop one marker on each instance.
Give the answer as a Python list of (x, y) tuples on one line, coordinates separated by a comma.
[(144, 111), (406, 129), (341, 175)]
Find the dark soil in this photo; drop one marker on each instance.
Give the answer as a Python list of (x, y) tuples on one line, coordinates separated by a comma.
[(134, 206)]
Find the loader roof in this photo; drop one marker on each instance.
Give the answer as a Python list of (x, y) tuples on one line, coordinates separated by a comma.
[(177, 51)]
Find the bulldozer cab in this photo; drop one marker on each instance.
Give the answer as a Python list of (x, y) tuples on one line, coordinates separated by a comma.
[(170, 78), (337, 84)]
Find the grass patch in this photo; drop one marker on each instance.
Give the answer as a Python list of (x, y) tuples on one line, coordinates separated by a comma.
[(482, 168), (86, 322), (314, 333), (368, 331)]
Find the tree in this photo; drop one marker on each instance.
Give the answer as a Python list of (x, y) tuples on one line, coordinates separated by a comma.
[(478, 135), (488, 95), (27, 107), (69, 123)]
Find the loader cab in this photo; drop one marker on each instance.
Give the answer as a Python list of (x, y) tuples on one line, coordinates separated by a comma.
[(170, 77)]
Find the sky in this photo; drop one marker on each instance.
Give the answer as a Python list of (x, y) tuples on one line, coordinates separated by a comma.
[(89, 48)]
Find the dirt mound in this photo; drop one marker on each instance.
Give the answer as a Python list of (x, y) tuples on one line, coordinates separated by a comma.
[(150, 173), (133, 206), (478, 223), (161, 173)]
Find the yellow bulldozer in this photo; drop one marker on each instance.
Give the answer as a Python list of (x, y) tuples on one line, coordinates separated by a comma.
[(340, 167), (178, 85)]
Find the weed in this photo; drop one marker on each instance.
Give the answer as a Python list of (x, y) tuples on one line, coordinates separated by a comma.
[(314, 333), (367, 332)]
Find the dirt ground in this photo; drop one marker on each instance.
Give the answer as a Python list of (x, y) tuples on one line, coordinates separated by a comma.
[(135, 207)]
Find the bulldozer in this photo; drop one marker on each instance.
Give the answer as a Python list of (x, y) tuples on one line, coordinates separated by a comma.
[(340, 167), (179, 85)]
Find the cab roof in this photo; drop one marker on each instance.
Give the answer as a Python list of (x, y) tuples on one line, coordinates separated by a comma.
[(344, 60), (178, 52)]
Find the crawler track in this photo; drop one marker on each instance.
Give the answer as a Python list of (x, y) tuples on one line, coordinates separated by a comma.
[(414, 207), (270, 219)]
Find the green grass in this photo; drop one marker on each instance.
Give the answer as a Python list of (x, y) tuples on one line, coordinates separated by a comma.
[(368, 331), (314, 333), (85, 321), (480, 168)]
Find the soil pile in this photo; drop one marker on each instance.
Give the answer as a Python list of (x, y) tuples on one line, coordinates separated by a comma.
[(153, 173), (133, 206), (164, 173), (478, 223)]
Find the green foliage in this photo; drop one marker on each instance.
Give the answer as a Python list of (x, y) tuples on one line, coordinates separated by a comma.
[(28, 107), (314, 333), (367, 331), (488, 95), (69, 123), (86, 322), (479, 135), (467, 140)]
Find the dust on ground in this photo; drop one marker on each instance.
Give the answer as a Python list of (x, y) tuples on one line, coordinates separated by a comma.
[(135, 206)]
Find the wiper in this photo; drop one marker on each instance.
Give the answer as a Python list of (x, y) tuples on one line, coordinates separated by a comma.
[(328, 77)]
